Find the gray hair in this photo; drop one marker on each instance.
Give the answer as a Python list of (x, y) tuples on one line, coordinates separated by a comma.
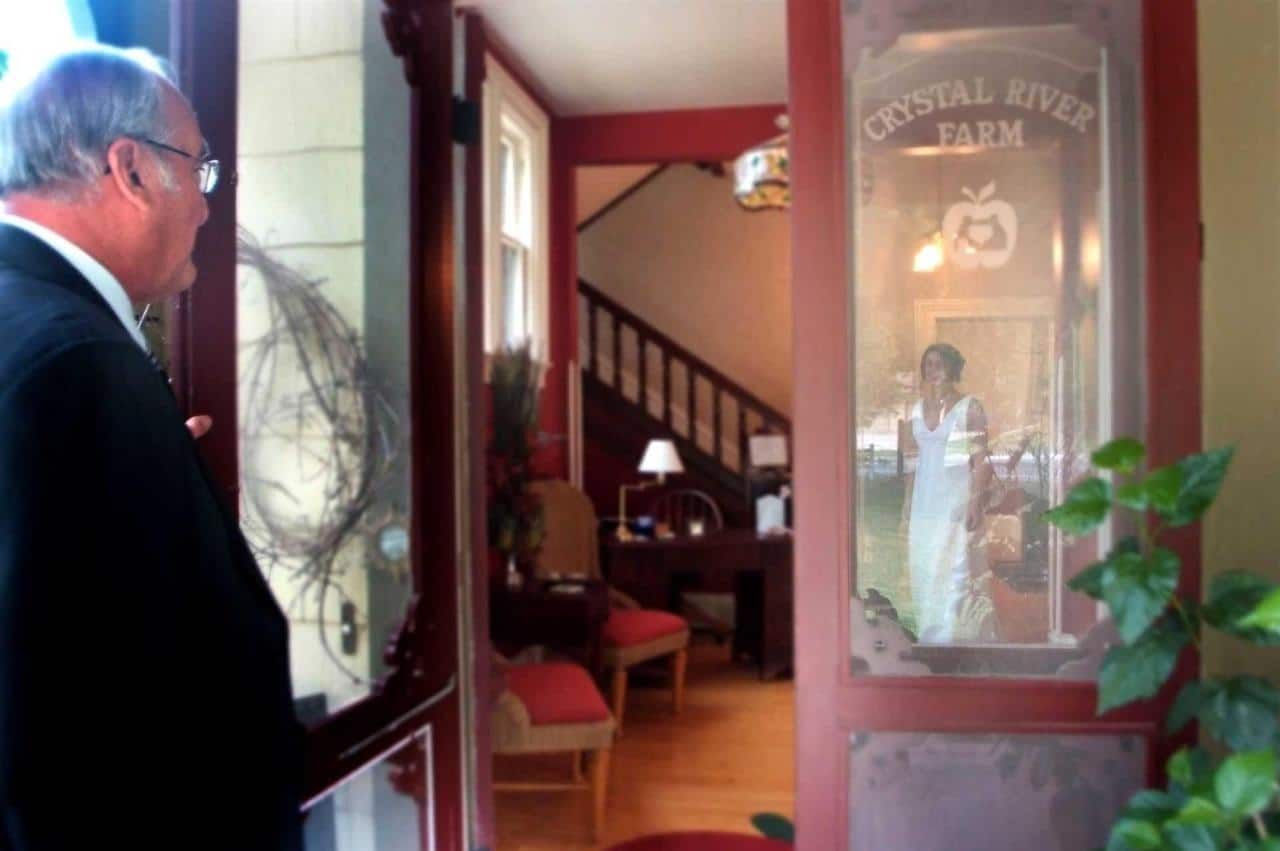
[(56, 125)]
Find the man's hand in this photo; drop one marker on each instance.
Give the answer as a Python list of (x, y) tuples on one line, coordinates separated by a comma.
[(199, 426)]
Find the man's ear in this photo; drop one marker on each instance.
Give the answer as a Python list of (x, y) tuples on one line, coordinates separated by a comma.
[(124, 163)]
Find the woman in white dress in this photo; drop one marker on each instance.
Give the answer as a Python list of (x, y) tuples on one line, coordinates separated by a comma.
[(949, 576)]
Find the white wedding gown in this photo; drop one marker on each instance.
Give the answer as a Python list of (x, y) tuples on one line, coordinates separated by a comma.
[(943, 555)]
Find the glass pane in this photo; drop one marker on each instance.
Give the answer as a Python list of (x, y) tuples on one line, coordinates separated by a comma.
[(513, 171), (374, 810), (322, 332), (996, 307), (507, 180), (989, 792), (515, 293)]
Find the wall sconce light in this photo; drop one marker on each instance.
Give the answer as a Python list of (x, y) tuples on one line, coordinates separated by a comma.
[(660, 457)]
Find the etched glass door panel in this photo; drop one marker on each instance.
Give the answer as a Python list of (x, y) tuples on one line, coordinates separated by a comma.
[(1052, 792), (376, 809), (994, 188), (322, 334)]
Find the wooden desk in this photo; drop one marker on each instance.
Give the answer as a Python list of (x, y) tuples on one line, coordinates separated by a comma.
[(537, 615), (757, 570)]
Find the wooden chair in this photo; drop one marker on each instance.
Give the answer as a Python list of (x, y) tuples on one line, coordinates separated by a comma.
[(703, 609), (554, 707), (631, 635)]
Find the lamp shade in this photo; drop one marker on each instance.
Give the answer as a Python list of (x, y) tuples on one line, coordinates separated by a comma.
[(762, 177), (660, 457)]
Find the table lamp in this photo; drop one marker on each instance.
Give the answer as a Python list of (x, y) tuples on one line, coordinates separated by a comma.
[(660, 457)]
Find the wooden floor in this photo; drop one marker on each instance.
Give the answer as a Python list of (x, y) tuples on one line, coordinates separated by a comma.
[(727, 756)]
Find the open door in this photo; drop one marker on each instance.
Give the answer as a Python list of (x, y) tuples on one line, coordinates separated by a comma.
[(324, 338), (984, 176)]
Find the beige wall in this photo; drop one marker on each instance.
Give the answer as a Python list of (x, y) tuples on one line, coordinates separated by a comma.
[(1240, 185), (681, 255)]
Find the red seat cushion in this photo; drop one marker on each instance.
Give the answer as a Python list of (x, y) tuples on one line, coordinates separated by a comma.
[(628, 627), (557, 693)]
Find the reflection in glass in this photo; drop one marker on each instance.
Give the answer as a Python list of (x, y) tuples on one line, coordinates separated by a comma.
[(376, 809), (945, 553), (995, 307)]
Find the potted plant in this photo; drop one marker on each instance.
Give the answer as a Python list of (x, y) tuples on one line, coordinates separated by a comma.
[(1228, 802), (515, 515)]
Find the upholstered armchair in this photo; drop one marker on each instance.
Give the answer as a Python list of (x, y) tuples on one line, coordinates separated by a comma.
[(554, 707), (631, 634)]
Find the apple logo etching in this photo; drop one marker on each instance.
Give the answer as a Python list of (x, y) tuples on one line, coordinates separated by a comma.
[(980, 232)]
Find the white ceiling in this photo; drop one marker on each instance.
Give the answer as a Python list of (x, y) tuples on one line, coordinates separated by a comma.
[(594, 57)]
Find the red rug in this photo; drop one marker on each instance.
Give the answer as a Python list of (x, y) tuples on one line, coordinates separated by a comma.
[(702, 841)]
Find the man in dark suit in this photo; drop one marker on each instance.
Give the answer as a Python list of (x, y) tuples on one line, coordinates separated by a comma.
[(145, 699)]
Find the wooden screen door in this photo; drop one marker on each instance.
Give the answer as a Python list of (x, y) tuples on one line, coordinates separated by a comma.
[(322, 337), (1017, 180)]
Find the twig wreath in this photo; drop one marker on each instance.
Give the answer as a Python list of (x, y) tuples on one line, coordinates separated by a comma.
[(307, 391)]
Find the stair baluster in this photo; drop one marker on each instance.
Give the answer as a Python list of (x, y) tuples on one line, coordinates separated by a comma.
[(749, 408)]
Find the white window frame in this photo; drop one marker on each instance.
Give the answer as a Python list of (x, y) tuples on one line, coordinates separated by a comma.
[(508, 109)]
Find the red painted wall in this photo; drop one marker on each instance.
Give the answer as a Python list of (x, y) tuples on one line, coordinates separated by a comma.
[(686, 135)]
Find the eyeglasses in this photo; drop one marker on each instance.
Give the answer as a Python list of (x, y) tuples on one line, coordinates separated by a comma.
[(206, 168)]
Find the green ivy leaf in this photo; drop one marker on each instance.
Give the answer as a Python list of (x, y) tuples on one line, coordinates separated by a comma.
[(1122, 455), (774, 826), (1137, 590), (1202, 476), (1189, 837), (1241, 712), (1191, 772), (1152, 805), (1185, 707), (1265, 615), (1132, 496), (1233, 596), (1198, 810), (1084, 509), (1138, 670), (1162, 487), (1133, 835), (1245, 782), (1091, 580)]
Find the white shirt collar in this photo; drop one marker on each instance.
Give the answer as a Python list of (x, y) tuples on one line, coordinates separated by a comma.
[(93, 271)]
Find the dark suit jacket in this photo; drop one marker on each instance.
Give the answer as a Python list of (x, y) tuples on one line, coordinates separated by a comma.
[(144, 667)]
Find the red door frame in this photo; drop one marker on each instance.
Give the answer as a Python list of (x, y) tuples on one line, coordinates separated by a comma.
[(829, 701), (204, 41)]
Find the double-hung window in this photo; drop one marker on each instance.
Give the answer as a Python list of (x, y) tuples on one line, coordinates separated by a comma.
[(515, 181)]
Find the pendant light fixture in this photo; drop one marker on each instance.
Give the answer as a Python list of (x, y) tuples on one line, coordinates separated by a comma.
[(928, 257), (761, 175), (930, 254)]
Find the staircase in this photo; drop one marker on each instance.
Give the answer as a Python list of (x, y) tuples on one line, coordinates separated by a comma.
[(638, 384)]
